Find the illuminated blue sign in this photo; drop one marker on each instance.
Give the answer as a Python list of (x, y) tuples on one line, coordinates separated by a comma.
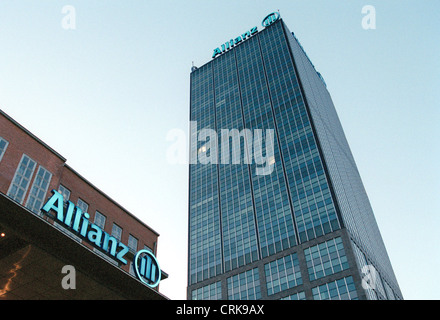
[(270, 18), (78, 221), (233, 42), (145, 264), (146, 267)]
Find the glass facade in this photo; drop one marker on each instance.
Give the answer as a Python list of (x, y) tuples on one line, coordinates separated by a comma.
[(241, 219)]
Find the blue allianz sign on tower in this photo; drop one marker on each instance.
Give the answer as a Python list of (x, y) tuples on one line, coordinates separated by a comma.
[(267, 21), (71, 216), (270, 18), (233, 42)]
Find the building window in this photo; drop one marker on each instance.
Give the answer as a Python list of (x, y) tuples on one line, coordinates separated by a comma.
[(66, 195), (212, 291), (131, 270), (117, 231), (22, 178), (244, 286), (39, 190), (64, 192), (132, 243), (99, 219), (82, 205), (3, 146), (149, 249), (326, 258), (342, 289), (296, 296), (282, 274)]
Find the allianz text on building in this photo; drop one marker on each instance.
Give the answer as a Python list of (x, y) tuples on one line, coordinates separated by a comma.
[(63, 238)]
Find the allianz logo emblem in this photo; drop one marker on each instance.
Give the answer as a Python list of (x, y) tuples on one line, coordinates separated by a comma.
[(147, 268), (270, 18)]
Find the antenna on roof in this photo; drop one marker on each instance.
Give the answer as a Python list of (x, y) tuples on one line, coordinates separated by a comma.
[(193, 68)]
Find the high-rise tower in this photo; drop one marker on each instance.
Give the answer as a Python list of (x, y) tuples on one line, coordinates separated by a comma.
[(289, 218)]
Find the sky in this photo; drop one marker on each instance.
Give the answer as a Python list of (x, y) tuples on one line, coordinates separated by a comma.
[(104, 82)]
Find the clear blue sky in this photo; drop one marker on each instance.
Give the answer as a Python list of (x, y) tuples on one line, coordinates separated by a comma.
[(106, 94)]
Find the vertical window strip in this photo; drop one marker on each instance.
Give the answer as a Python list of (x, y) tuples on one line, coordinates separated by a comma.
[(38, 191), (238, 224), (117, 231), (205, 235), (273, 212), (293, 123), (22, 178), (132, 242), (3, 145), (64, 192), (99, 219), (83, 206)]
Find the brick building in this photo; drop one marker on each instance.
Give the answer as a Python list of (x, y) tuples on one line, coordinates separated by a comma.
[(35, 246)]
